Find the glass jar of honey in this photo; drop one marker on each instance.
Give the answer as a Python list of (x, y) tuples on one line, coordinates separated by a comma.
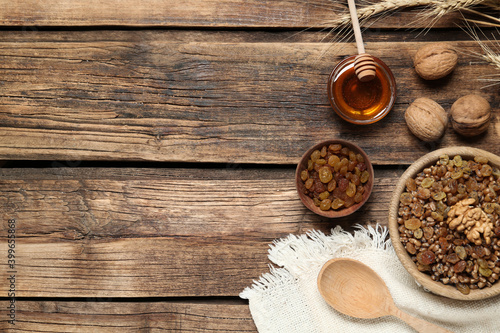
[(361, 102)]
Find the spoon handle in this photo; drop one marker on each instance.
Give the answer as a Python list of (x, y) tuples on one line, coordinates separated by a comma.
[(418, 324)]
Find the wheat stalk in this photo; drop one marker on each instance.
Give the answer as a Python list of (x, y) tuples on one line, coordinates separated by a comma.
[(489, 55), (434, 9), (491, 20)]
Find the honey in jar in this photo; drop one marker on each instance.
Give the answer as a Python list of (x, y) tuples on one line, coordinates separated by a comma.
[(361, 102)]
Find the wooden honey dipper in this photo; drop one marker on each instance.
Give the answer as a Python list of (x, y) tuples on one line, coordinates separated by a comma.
[(364, 65)]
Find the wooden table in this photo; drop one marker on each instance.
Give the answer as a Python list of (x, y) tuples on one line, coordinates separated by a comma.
[(149, 150)]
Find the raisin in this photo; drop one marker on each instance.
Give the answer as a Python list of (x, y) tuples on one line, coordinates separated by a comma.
[(423, 193), (427, 257), (332, 160), (342, 184), (410, 248), (460, 251), (411, 185), (324, 195), (351, 190), (427, 182), (406, 198), (331, 185), (443, 243), (439, 196), (428, 232), (358, 197), (325, 204), (323, 151), (365, 176), (459, 267), (335, 147), (463, 288), (452, 258), (413, 224), (337, 203), (486, 272), (315, 155), (457, 160), (479, 251), (325, 174)]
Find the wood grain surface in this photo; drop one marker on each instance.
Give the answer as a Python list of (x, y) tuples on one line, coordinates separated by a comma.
[(195, 13), (155, 232), (149, 96), (104, 315), (191, 115)]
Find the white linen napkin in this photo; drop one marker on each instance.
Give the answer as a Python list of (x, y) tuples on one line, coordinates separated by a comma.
[(286, 300)]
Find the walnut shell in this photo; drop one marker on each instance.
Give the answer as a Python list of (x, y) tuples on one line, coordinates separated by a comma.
[(470, 115), (426, 119), (435, 60)]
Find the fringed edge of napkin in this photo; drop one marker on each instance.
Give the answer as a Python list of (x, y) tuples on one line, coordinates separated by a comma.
[(308, 251)]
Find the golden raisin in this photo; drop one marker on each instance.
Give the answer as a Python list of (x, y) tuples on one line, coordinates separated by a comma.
[(304, 175), (439, 196), (324, 195), (323, 151), (406, 198), (336, 147), (486, 170), (334, 159), (457, 174), (325, 204), (365, 176), (443, 159), (332, 185), (351, 190), (337, 203), (427, 182), (413, 224), (315, 155), (325, 174), (480, 159), (320, 161)]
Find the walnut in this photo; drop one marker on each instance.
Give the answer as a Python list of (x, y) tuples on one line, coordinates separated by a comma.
[(470, 115), (426, 119), (472, 221), (435, 60)]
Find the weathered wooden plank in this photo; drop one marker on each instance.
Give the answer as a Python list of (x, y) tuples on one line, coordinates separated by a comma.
[(154, 232), (142, 96), (107, 316), (196, 13)]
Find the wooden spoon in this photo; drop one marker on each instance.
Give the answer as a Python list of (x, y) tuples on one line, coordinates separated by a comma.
[(354, 289), (364, 65)]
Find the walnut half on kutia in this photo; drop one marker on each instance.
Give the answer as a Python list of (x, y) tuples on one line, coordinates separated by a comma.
[(472, 221)]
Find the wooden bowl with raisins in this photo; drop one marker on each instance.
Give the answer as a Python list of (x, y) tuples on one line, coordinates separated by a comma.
[(334, 178), (444, 222)]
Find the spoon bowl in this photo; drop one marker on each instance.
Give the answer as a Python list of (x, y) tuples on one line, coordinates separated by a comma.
[(354, 289)]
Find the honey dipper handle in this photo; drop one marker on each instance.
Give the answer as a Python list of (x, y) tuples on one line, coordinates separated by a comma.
[(355, 26), (418, 324)]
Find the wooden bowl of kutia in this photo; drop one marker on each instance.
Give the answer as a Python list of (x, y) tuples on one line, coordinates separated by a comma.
[(334, 178), (444, 222)]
